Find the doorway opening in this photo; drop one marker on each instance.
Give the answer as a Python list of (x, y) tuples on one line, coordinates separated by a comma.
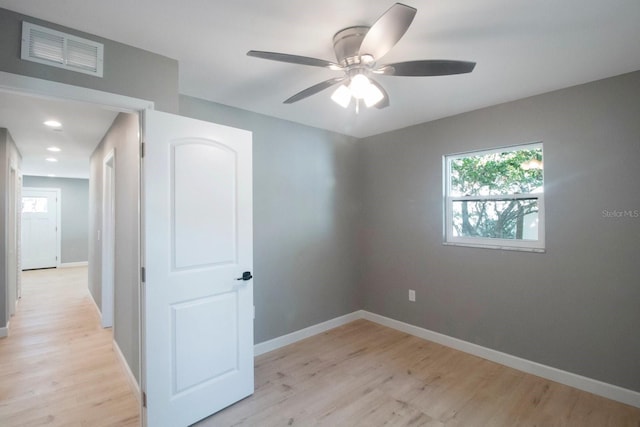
[(47, 90)]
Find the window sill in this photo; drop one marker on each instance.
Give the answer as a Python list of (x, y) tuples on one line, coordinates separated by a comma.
[(498, 247)]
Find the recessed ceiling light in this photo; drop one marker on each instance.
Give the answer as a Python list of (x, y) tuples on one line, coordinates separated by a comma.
[(53, 123), (51, 175), (51, 159), (54, 149)]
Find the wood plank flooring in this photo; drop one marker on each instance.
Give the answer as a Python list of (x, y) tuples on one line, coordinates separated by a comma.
[(58, 367), (364, 374)]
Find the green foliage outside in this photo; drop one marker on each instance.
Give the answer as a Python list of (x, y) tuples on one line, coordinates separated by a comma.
[(497, 174)]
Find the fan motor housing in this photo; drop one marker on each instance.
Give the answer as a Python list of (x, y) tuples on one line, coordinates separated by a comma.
[(346, 44)]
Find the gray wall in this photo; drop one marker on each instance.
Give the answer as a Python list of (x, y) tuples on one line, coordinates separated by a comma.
[(74, 214), (305, 214), (123, 137), (575, 307), (9, 157), (127, 70)]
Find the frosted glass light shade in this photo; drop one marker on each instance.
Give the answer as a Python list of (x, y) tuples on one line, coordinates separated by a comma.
[(373, 95), (342, 96), (359, 86)]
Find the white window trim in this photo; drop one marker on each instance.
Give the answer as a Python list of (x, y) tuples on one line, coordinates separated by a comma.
[(486, 242)]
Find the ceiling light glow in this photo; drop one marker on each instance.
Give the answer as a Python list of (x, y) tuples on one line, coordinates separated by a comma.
[(373, 95), (342, 96), (359, 86), (51, 159), (53, 124), (54, 149)]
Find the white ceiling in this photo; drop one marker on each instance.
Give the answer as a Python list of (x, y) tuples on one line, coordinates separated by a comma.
[(83, 126), (522, 48)]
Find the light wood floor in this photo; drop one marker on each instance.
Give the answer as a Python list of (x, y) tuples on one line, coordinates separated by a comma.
[(57, 367), (363, 374)]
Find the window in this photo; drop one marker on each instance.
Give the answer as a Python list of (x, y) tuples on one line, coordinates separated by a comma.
[(495, 198), (34, 205)]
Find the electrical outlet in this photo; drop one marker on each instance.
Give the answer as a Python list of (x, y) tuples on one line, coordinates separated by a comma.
[(412, 295)]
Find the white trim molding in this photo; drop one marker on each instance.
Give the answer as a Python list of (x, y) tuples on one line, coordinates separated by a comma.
[(131, 379), (17, 83), (609, 391), (95, 304), (590, 385), (284, 340), (4, 331), (74, 264)]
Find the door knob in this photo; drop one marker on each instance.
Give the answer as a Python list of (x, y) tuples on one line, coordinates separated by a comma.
[(245, 276)]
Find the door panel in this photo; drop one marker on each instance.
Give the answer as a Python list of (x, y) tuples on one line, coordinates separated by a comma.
[(197, 215), (204, 218), (213, 352)]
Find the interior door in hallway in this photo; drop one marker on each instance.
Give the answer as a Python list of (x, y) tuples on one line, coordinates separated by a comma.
[(198, 258), (40, 223)]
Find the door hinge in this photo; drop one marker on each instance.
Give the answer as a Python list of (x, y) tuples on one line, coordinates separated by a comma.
[(143, 274), (141, 149), (144, 399)]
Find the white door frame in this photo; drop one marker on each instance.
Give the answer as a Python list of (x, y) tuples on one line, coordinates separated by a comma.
[(19, 84), (108, 237), (58, 217), (13, 220), (19, 235)]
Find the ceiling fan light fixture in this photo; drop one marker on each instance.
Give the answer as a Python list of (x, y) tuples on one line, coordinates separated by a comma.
[(359, 86), (372, 96), (342, 96), (358, 50), (53, 124)]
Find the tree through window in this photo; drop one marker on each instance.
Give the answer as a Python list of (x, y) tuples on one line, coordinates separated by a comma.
[(495, 198)]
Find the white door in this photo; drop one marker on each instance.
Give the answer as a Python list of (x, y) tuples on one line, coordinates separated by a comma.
[(197, 238), (40, 216)]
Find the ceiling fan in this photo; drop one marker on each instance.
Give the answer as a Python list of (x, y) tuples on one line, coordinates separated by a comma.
[(358, 50)]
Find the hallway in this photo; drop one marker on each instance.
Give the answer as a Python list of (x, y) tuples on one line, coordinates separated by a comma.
[(57, 366)]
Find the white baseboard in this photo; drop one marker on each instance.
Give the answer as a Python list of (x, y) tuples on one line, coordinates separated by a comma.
[(131, 379), (600, 388), (613, 392), (267, 346), (73, 264), (95, 304), (4, 331)]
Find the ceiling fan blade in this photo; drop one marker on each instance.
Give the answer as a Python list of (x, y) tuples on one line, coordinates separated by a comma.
[(427, 67), (314, 89), (387, 30), (384, 102), (294, 59)]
